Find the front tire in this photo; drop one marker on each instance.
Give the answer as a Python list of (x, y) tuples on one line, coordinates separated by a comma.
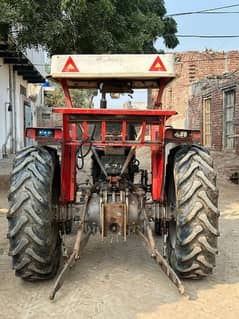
[(35, 245), (193, 198)]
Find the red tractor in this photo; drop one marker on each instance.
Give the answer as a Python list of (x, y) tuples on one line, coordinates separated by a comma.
[(176, 199)]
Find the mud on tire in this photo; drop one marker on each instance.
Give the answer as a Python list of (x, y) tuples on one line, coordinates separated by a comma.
[(192, 192), (34, 237)]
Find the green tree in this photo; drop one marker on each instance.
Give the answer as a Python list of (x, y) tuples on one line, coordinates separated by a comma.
[(95, 26), (80, 98)]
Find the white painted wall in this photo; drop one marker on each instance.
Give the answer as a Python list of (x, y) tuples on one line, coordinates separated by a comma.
[(5, 116), (35, 94), (19, 107), (13, 121)]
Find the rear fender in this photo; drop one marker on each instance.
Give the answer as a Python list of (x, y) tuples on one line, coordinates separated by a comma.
[(182, 136), (174, 139), (171, 150)]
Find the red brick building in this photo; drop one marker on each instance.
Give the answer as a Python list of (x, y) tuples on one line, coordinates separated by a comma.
[(191, 67), (214, 109)]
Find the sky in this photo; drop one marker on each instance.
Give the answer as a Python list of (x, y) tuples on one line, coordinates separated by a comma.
[(198, 24), (204, 24)]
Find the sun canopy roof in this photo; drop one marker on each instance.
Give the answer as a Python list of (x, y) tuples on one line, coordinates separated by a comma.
[(88, 71)]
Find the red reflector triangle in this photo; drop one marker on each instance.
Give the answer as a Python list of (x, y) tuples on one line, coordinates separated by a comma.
[(70, 66), (157, 65)]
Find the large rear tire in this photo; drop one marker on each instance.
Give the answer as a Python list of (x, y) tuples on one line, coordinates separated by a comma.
[(193, 199), (35, 244)]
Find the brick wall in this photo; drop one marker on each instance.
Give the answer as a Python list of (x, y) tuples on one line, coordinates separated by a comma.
[(214, 88), (191, 67), (217, 118)]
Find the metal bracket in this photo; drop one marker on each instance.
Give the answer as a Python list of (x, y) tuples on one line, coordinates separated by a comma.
[(160, 260), (79, 245)]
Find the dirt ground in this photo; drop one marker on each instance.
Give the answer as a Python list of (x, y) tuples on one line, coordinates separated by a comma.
[(119, 280)]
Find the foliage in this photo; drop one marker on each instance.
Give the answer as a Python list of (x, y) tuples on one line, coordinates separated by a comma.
[(95, 26), (80, 98)]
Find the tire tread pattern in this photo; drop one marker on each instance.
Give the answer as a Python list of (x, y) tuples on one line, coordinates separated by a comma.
[(196, 213), (34, 238)]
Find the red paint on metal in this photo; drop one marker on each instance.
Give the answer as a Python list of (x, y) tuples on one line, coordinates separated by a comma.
[(155, 119), (110, 143), (67, 96), (70, 66), (157, 158), (193, 136), (103, 131), (58, 134), (115, 112), (124, 129), (143, 128), (157, 65), (85, 130), (157, 161), (30, 133), (73, 131), (69, 105), (66, 128), (158, 103), (68, 168), (157, 152)]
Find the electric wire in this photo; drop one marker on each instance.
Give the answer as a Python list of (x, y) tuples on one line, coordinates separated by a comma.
[(207, 36), (202, 11), (219, 12)]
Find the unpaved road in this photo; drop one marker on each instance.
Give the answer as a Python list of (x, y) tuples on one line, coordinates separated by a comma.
[(120, 281)]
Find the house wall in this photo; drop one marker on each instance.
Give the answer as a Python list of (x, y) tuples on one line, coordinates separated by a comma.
[(18, 103), (5, 118), (12, 99), (192, 66), (214, 88), (19, 107)]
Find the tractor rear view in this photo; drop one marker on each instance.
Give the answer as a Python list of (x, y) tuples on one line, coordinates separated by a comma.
[(176, 199)]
